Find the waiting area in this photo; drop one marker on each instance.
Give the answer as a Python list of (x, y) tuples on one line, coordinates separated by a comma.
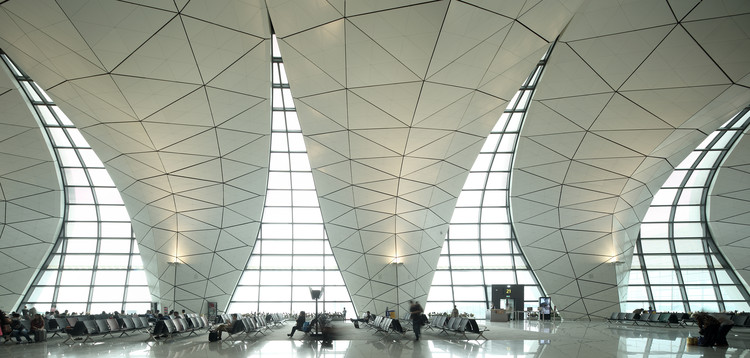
[(513, 339)]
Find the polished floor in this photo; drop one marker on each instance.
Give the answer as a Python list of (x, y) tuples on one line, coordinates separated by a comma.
[(514, 339)]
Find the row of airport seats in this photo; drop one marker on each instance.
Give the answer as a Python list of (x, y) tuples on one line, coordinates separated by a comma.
[(169, 328), (462, 326), (457, 326), (387, 326), (665, 319), (248, 326)]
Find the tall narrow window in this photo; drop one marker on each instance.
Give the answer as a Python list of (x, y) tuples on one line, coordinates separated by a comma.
[(292, 253), (676, 264), (481, 249), (95, 265)]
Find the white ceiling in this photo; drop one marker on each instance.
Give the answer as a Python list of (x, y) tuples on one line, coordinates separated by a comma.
[(627, 93), (30, 194), (395, 99)]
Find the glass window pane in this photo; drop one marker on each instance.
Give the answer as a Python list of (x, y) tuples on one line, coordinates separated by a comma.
[(114, 246), (82, 213), (688, 230), (116, 229), (72, 294), (79, 261), (309, 231), (42, 294), (63, 118), (113, 213), (138, 294), (698, 178), (700, 293), (655, 246), (464, 247), (695, 276), (675, 179), (662, 277), (692, 261), (525, 278), (666, 293), (654, 230), (302, 181), (299, 162), (77, 138), (469, 293), (498, 277), (137, 278), (664, 197), (107, 294), (482, 163), (58, 136), (688, 246), (100, 177), (464, 231), (475, 181), (81, 246), (80, 195), (637, 293), (75, 278), (276, 278), (466, 262), (658, 261), (115, 261), (108, 196), (690, 196), (307, 278), (658, 214), (469, 198), (468, 277), (440, 293), (90, 159)]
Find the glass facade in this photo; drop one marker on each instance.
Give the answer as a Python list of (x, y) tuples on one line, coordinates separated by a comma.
[(676, 264), (95, 265), (292, 253), (481, 249)]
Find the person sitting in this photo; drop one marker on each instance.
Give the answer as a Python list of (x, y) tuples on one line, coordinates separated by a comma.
[(709, 328), (300, 322), (226, 327), (725, 325), (37, 328), (18, 330), (5, 325)]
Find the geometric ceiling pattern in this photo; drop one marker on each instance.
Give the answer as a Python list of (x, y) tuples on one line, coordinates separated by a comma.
[(728, 214), (395, 100), (174, 99), (631, 89), (96, 266), (31, 207)]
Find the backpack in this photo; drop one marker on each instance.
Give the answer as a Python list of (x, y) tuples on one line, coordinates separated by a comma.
[(214, 336)]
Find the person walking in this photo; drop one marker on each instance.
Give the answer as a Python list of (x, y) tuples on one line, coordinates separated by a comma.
[(416, 317)]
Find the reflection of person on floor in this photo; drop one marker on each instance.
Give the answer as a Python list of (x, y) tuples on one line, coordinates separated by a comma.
[(300, 322)]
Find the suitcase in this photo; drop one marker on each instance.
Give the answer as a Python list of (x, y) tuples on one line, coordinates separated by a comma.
[(40, 335), (214, 336)]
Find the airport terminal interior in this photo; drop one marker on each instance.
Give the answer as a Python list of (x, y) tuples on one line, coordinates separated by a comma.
[(557, 178)]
